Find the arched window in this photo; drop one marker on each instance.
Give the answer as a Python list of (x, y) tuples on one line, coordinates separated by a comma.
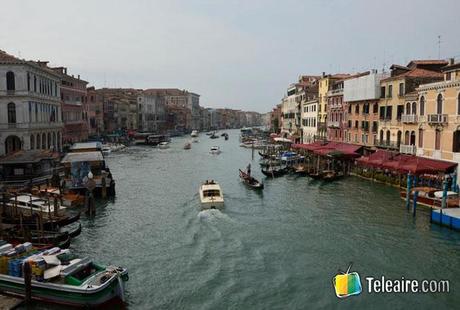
[(388, 137), (32, 142), (414, 108), (420, 138), (412, 138), (11, 113), (406, 137), (398, 141), (10, 85), (437, 140), (59, 141), (458, 104), (28, 81), (49, 140), (35, 83), (381, 135), (422, 105), (43, 141), (38, 141), (408, 108), (439, 104)]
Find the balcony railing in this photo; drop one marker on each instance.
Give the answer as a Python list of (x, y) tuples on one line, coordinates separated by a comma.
[(409, 118), (334, 124), (407, 149), (437, 118), (386, 144)]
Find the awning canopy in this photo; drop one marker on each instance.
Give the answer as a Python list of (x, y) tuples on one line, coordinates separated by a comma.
[(403, 163), (332, 149)]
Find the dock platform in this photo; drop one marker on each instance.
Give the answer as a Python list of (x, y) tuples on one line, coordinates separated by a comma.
[(9, 302), (446, 217)]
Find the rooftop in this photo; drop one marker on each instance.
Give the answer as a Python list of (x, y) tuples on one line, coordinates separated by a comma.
[(82, 156), (33, 156)]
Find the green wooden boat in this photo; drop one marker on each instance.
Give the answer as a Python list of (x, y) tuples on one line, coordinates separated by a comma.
[(59, 277)]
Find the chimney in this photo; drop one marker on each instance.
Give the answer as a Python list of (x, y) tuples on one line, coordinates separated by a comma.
[(324, 74), (65, 70), (79, 76), (451, 61)]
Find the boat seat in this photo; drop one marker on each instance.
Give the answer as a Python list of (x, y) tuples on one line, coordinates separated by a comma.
[(75, 266)]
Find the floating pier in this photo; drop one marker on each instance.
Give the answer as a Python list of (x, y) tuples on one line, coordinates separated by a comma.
[(446, 217)]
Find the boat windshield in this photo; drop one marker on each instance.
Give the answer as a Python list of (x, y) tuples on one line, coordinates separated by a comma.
[(211, 193)]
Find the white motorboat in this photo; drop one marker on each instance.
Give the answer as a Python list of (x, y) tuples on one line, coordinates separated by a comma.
[(194, 133), (211, 195), (215, 150), (163, 145), (28, 205)]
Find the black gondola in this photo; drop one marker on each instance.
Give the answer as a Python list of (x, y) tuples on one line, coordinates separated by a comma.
[(274, 172), (264, 156), (250, 181)]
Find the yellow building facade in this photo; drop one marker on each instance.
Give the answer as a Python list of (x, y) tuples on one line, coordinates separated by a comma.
[(440, 126)]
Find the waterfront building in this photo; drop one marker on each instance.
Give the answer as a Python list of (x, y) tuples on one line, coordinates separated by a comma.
[(336, 109), (95, 112), (410, 124), (119, 108), (309, 117), (325, 84), (151, 112), (297, 93), (438, 135), (361, 97), (402, 80), (30, 106), (74, 107), (275, 119)]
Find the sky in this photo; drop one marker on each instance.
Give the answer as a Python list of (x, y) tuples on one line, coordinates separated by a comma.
[(235, 54)]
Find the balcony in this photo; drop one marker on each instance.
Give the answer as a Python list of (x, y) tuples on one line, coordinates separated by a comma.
[(408, 149), (333, 124), (409, 118), (437, 118), (386, 144)]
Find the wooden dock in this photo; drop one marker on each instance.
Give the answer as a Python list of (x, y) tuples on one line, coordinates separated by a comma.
[(9, 302)]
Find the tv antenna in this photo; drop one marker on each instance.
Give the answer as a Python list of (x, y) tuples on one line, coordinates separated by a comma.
[(439, 46)]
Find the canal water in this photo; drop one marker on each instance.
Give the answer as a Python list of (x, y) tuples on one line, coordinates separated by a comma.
[(278, 249)]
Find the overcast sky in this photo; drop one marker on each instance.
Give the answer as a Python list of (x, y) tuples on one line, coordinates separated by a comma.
[(235, 54)]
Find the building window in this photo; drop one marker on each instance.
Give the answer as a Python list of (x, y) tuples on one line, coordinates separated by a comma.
[(414, 108), (389, 113), (382, 92), (439, 104), (388, 137), (28, 81), (11, 113), (399, 112), (35, 83), (420, 138), (448, 76), (456, 146), (408, 108), (10, 83), (437, 141), (375, 108), (390, 91), (382, 113), (357, 109), (32, 142), (422, 105), (401, 89), (458, 104)]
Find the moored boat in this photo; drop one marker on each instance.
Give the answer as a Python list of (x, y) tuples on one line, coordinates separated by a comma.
[(250, 181), (274, 172), (432, 197), (211, 196), (187, 146), (60, 277), (194, 133)]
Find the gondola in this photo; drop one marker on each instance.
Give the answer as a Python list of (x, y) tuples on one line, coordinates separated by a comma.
[(274, 172), (264, 156), (250, 181), (300, 170)]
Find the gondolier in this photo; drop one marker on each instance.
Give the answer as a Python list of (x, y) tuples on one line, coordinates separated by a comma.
[(248, 169)]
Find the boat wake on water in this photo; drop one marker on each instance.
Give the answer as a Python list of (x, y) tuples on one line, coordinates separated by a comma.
[(210, 214)]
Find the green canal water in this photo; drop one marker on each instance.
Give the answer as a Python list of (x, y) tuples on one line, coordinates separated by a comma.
[(278, 249)]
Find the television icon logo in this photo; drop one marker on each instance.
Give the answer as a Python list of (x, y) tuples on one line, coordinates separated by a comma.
[(347, 284)]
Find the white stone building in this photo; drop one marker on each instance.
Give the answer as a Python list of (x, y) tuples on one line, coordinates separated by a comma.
[(151, 112), (309, 116), (30, 107)]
